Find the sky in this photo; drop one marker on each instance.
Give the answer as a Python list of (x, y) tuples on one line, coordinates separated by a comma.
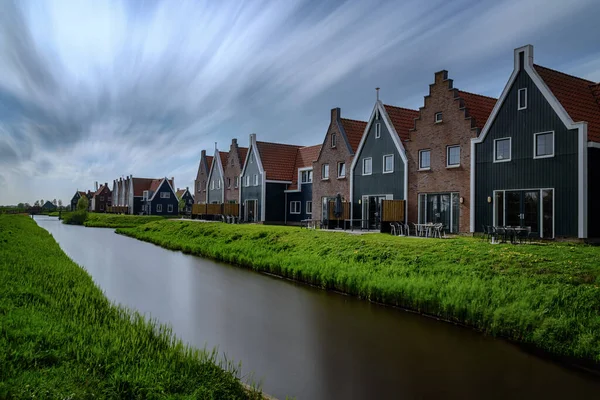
[(94, 90)]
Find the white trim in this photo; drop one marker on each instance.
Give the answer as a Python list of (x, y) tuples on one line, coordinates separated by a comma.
[(383, 169), (435, 117), (541, 207), (300, 171), (169, 207), (159, 186), (255, 176), (535, 135), (519, 106), (157, 208), (299, 207), (306, 207), (377, 130), (448, 165), (323, 177), (273, 181), (494, 160), (338, 169), (363, 166), (583, 180), (421, 168), (594, 145), (472, 189)]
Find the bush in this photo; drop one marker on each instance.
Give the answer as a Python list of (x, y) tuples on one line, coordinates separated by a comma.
[(76, 218)]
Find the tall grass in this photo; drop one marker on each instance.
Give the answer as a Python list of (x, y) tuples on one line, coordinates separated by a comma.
[(546, 295), (61, 338), (99, 220)]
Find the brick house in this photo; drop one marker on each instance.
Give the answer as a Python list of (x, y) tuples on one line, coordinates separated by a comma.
[(101, 199), (233, 170), (330, 170), (202, 177), (438, 152)]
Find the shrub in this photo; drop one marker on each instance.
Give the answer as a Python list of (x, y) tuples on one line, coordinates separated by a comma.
[(76, 218)]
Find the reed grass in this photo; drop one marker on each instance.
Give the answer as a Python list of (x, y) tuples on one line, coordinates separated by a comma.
[(100, 220), (60, 337), (546, 295)]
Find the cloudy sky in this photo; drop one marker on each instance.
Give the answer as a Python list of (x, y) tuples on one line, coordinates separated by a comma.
[(92, 90)]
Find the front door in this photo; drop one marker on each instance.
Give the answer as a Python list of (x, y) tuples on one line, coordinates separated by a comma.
[(250, 210)]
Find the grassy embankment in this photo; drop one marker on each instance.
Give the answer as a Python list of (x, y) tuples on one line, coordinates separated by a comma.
[(546, 295), (61, 338), (101, 220)]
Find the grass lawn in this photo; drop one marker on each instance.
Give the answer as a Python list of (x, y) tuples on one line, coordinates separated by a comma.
[(60, 337), (100, 220), (546, 295)]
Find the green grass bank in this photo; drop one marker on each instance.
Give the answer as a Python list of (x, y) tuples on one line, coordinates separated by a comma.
[(545, 295), (99, 220), (60, 337)]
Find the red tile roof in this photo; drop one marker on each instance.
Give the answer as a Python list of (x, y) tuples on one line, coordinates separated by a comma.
[(223, 156), (304, 158), (403, 119), (243, 151), (479, 107), (180, 193), (209, 160), (100, 189), (141, 184), (579, 97), (81, 193), (278, 160), (354, 131)]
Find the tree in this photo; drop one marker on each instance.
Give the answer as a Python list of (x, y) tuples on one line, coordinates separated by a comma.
[(37, 203), (54, 201), (181, 205), (27, 205), (42, 202), (83, 204), (60, 203), (20, 205)]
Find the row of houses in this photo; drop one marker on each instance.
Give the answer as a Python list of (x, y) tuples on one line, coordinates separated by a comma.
[(529, 158), (130, 195)]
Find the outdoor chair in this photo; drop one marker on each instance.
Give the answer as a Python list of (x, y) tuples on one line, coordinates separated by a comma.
[(500, 234), (407, 229), (486, 233), (492, 232), (394, 228), (438, 230), (418, 232)]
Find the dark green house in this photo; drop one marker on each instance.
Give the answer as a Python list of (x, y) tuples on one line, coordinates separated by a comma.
[(536, 163)]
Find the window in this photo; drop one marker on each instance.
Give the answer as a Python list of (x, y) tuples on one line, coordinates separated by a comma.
[(502, 150), (218, 184), (294, 207), (159, 208), (212, 185), (377, 131), (367, 166), (228, 183), (255, 179), (235, 181), (309, 207), (251, 158), (424, 159), (165, 195), (388, 163), (438, 117), (377, 115), (543, 145), (522, 99), (325, 171), (247, 180), (333, 140), (452, 156), (341, 167), (101, 198), (203, 185), (170, 208), (306, 176)]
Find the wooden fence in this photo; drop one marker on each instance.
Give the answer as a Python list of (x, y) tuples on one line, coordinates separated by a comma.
[(231, 209), (392, 210), (345, 212), (216, 209)]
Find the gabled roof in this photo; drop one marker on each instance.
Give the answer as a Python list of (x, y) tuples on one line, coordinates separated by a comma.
[(278, 160), (403, 119), (223, 156), (579, 97), (141, 184), (354, 130), (180, 193), (243, 151), (479, 107), (157, 183), (100, 189), (304, 159), (209, 160), (81, 193)]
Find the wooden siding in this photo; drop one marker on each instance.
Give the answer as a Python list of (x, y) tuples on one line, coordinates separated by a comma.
[(523, 171), (345, 212), (275, 202), (392, 210), (252, 192)]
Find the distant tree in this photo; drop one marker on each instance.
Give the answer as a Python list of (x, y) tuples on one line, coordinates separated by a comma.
[(37, 203), (20, 205), (181, 205), (27, 205), (41, 202), (54, 201), (60, 203), (83, 204)]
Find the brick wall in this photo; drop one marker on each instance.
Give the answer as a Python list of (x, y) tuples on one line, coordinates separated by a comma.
[(454, 129), (200, 181), (331, 155), (232, 170)]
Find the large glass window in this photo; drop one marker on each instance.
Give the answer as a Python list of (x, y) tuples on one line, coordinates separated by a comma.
[(440, 208), (306, 176), (424, 159), (502, 150), (544, 144), (453, 156)]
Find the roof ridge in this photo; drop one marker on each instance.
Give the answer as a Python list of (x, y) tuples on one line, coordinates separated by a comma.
[(564, 73), (281, 144), (353, 120), (401, 108), (477, 94)]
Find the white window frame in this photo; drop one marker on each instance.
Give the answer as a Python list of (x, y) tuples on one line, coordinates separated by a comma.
[(384, 157), (212, 184), (519, 105), (333, 140), (535, 135), (448, 165), (295, 207), (370, 159), (309, 207), (236, 182), (218, 184), (376, 115), (309, 174), (509, 147), (170, 208), (159, 208), (145, 195), (436, 119), (165, 195), (255, 179), (324, 176), (377, 130), (421, 168), (247, 180), (338, 170)]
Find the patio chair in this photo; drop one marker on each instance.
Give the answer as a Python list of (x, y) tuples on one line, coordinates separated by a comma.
[(418, 231), (492, 233), (500, 234), (406, 229), (394, 228)]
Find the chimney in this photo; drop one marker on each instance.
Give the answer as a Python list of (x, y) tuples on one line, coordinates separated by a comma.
[(335, 114), (203, 154), (377, 90), (96, 185), (187, 188), (523, 55), (234, 144), (173, 181)]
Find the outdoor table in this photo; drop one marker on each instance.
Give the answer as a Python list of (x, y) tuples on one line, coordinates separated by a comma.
[(308, 223), (424, 228)]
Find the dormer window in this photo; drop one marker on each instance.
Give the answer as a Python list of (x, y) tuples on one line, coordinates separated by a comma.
[(522, 99), (377, 131), (438, 117), (333, 140)]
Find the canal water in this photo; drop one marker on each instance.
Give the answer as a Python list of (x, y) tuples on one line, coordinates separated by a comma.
[(306, 342)]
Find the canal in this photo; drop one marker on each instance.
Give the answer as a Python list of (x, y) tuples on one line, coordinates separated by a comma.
[(308, 343)]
